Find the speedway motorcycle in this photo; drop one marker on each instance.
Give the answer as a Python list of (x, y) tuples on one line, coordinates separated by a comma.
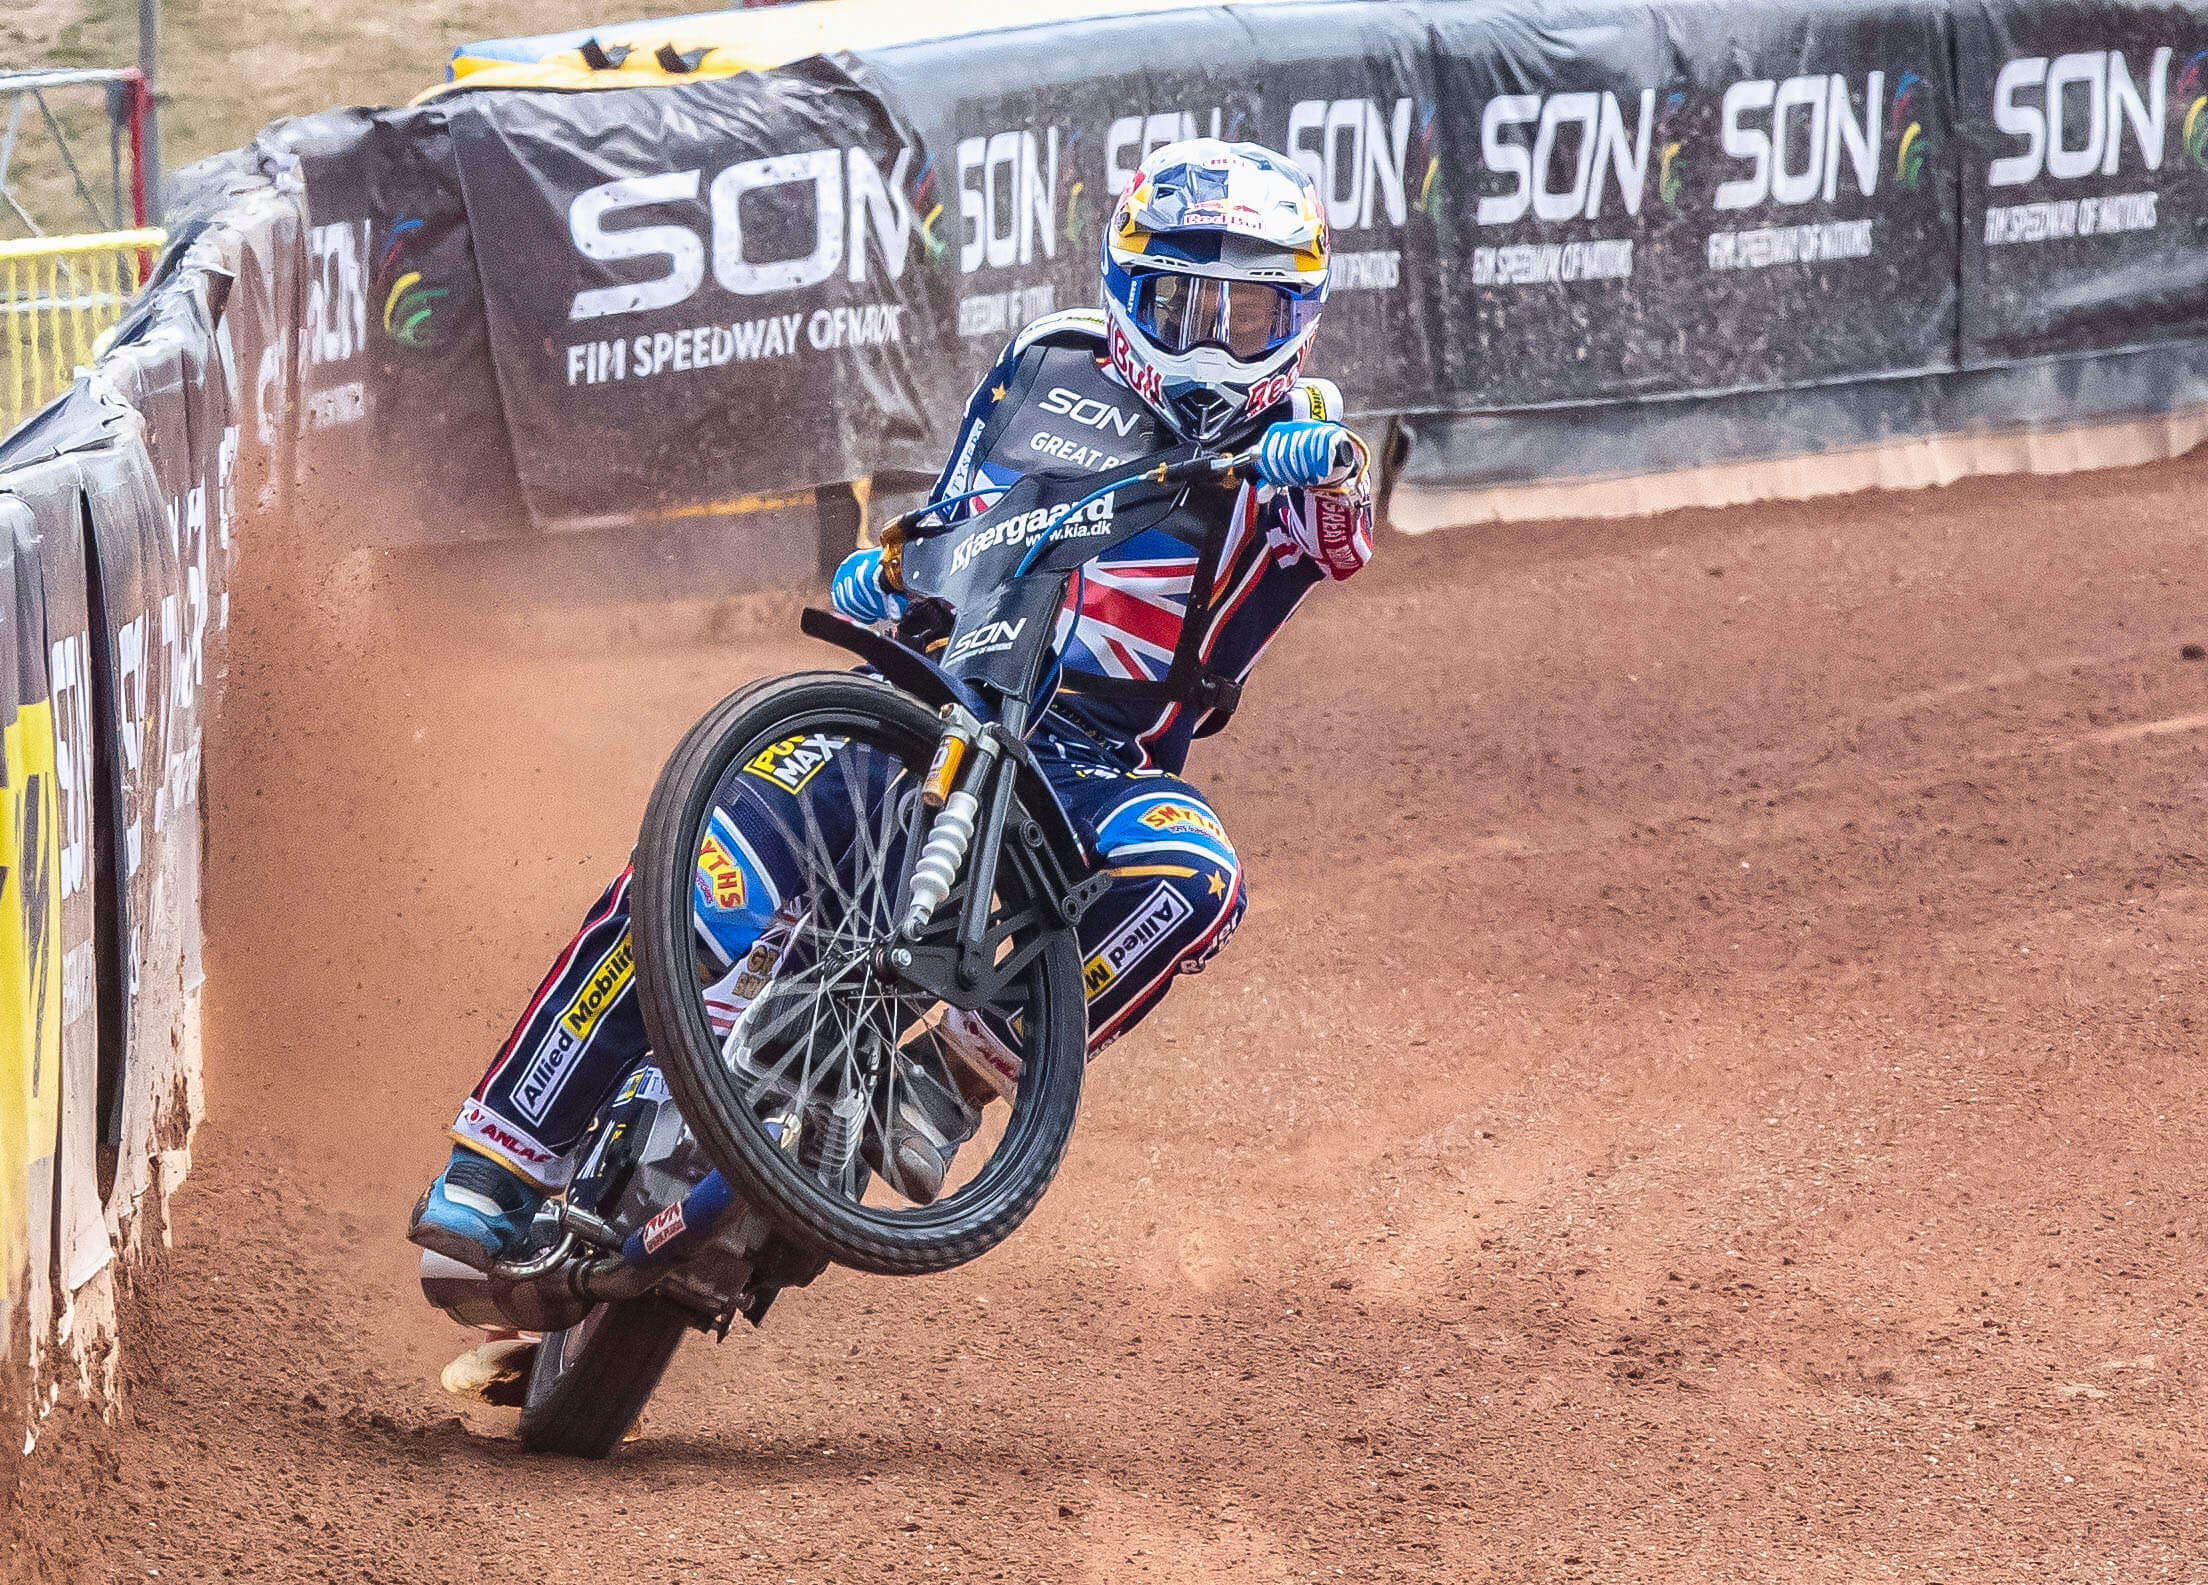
[(939, 884)]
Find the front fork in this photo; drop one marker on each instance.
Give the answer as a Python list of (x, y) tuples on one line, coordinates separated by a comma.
[(956, 807), (970, 785)]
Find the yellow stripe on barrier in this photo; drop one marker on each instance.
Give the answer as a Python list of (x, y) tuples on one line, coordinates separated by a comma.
[(30, 971), (58, 296)]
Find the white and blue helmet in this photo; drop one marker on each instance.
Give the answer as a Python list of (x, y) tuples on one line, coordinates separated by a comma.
[(1214, 276)]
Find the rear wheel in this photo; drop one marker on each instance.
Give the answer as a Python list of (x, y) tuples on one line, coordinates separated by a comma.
[(798, 1058), (591, 1381)]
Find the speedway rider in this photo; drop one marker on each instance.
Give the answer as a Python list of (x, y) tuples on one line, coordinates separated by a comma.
[(1214, 275)]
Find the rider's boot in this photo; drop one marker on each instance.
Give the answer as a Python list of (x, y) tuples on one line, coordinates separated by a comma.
[(476, 1211), (932, 1121), (934, 1118)]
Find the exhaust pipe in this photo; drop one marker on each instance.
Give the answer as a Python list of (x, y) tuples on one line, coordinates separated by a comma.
[(555, 1290)]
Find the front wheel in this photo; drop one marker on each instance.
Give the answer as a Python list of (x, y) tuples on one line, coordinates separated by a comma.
[(768, 878), (590, 1382)]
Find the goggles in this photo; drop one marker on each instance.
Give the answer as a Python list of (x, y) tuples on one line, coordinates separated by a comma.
[(1248, 318)]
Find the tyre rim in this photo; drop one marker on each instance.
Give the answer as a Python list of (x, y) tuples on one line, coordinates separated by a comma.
[(846, 1072)]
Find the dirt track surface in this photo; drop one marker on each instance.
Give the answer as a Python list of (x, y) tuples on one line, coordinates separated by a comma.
[(1707, 1090)]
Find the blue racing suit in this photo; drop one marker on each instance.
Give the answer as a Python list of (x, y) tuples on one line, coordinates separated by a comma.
[(1112, 745)]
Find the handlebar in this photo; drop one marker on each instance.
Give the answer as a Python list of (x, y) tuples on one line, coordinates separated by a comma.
[(1218, 465)]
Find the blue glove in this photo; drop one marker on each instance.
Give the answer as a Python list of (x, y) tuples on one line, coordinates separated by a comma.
[(858, 592), (1301, 452)]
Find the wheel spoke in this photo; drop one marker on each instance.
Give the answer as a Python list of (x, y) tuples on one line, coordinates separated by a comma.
[(829, 1054)]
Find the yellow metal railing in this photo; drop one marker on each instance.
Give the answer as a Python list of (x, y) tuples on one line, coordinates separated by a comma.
[(58, 295)]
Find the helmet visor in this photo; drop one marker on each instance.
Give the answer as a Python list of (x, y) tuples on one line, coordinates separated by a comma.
[(1248, 318)]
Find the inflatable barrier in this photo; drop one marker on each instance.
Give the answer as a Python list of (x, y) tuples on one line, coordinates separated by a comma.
[(118, 507), (1574, 243)]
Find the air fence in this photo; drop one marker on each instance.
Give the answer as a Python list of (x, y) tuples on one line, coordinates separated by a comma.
[(1576, 244)]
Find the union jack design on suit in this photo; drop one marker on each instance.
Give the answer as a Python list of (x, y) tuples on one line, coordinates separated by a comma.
[(1051, 400)]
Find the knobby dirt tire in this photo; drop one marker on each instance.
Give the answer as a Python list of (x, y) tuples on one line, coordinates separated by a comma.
[(912, 1241), (583, 1407)]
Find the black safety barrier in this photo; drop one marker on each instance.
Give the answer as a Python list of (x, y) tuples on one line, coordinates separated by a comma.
[(118, 505), (608, 306)]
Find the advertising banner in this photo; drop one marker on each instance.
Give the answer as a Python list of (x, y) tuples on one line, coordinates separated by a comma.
[(398, 387), (1022, 148), (1659, 200), (700, 296), (30, 935), (117, 505), (698, 293), (2085, 175), (781, 280)]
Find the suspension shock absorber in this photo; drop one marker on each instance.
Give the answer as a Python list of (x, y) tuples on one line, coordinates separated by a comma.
[(950, 836)]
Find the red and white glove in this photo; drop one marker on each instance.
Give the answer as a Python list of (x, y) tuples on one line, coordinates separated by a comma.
[(1332, 526)]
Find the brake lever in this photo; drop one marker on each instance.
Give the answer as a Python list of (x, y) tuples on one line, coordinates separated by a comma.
[(1222, 467)]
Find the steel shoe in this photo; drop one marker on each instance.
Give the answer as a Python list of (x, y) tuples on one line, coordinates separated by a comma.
[(476, 1211)]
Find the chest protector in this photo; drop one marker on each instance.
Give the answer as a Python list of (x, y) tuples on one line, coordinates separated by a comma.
[(1061, 413)]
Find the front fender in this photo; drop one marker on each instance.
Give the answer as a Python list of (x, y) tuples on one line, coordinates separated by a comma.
[(900, 663)]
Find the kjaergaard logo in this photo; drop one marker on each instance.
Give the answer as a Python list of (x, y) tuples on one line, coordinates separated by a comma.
[(1025, 529)]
